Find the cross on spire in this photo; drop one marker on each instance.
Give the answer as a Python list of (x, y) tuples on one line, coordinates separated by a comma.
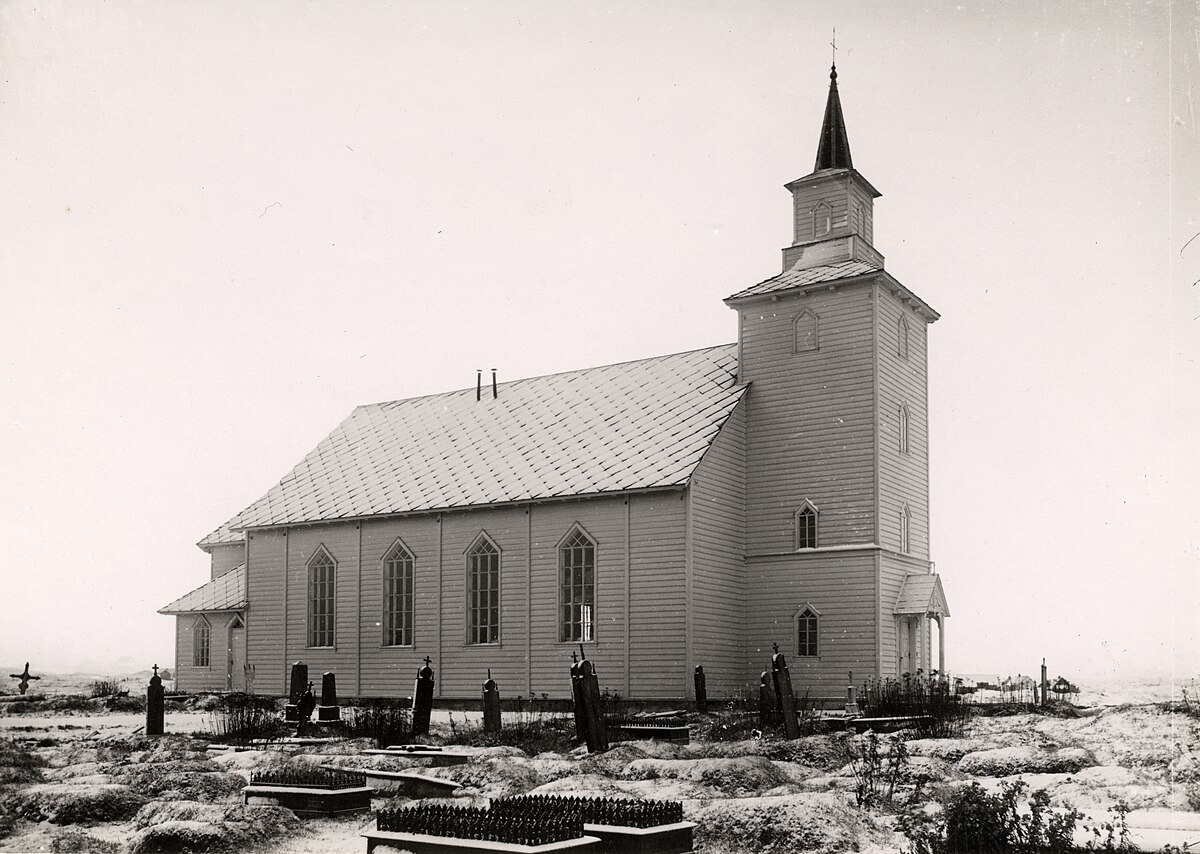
[(833, 44)]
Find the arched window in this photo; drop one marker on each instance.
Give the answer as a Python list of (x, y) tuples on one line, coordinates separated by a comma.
[(902, 338), (398, 596), (902, 427), (806, 526), (201, 642), (806, 331), (822, 219), (904, 539), (321, 574), (483, 591), (808, 632), (577, 587)]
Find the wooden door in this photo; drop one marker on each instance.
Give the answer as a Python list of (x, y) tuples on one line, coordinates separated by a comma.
[(236, 674)]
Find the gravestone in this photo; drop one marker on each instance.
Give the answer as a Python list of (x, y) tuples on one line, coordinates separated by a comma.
[(701, 690), (295, 691), (154, 704), (577, 699), (422, 705), (783, 693), (851, 703), (766, 701), (329, 709), (596, 730), (491, 705)]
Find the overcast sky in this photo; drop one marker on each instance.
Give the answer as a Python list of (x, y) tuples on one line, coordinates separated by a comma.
[(224, 225)]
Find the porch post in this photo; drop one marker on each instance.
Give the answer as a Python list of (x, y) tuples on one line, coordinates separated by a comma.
[(941, 620)]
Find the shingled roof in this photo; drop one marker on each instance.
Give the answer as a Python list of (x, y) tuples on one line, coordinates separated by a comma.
[(922, 594), (225, 593), (796, 278), (631, 426)]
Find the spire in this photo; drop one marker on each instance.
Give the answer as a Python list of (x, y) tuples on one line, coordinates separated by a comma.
[(833, 152)]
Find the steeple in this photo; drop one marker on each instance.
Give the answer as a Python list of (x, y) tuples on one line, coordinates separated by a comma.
[(833, 207), (833, 151)]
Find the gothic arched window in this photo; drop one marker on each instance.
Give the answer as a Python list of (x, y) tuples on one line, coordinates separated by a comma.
[(806, 526), (577, 587), (902, 427), (398, 596), (808, 631), (201, 642), (483, 591), (905, 543), (822, 218), (902, 338), (806, 329), (322, 569)]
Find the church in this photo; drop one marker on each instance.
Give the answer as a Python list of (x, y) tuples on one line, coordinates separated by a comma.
[(690, 509)]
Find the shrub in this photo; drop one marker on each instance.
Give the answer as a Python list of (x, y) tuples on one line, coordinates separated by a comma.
[(242, 718), (878, 773), (939, 712), (18, 764), (78, 842), (533, 730), (972, 821), (386, 721), (106, 688)]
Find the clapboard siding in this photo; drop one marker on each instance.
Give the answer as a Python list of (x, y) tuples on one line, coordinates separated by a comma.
[(903, 477), (866, 203), (341, 541), (717, 505), (266, 559), (215, 676), (390, 670), (227, 557), (604, 521), (463, 666), (891, 578), (810, 419), (658, 624), (841, 587)]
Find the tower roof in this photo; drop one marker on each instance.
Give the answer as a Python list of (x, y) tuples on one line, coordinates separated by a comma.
[(833, 151)]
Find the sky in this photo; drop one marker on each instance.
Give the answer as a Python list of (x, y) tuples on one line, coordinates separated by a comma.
[(226, 224)]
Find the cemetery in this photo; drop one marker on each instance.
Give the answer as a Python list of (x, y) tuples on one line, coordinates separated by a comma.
[(762, 772)]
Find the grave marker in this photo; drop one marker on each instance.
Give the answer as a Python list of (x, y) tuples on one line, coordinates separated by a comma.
[(304, 710), (766, 700), (593, 708), (329, 710), (491, 705), (23, 685), (783, 692), (295, 691), (701, 690), (422, 705), (154, 704)]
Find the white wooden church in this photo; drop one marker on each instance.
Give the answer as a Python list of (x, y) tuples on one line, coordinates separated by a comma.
[(692, 508)]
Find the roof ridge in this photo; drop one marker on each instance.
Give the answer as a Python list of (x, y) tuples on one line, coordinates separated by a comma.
[(551, 374)]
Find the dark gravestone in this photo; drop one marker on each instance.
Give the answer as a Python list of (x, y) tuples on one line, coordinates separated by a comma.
[(295, 691), (328, 710), (154, 704), (491, 705), (304, 710), (701, 690), (422, 705), (766, 701), (783, 692), (593, 708), (577, 699)]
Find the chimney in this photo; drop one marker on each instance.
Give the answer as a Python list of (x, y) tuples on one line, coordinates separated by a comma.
[(494, 393), (478, 384)]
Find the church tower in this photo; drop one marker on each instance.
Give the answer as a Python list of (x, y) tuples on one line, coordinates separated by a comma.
[(837, 443)]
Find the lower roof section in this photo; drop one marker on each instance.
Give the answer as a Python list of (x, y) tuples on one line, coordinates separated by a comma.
[(225, 593)]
